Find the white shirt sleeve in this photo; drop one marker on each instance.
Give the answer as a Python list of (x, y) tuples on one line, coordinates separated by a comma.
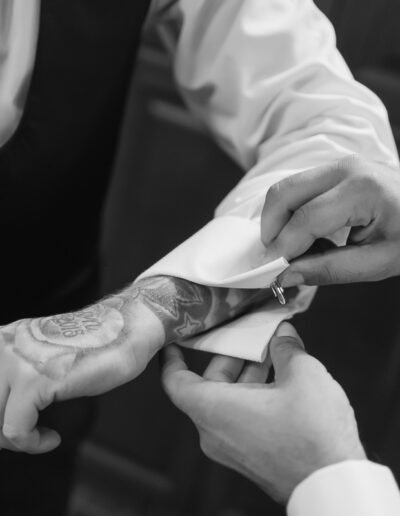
[(353, 488), (266, 79)]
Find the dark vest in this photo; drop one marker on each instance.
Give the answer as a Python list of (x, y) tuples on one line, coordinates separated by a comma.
[(55, 169)]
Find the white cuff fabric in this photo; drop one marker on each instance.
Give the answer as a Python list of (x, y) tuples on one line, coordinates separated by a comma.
[(228, 252), (351, 488), (248, 337)]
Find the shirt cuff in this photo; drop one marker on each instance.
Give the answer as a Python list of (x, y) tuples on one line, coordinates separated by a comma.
[(351, 488), (228, 252), (248, 337)]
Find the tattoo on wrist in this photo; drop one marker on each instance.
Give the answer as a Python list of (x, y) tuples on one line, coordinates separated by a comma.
[(186, 309), (54, 345)]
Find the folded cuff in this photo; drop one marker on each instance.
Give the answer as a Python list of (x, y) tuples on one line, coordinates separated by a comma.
[(228, 252)]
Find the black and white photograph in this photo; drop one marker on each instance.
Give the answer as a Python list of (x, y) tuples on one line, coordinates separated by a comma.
[(199, 258)]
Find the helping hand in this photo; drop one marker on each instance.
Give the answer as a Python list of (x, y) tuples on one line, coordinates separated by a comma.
[(363, 196), (275, 434)]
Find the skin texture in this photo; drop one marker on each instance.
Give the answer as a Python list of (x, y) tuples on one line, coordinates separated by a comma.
[(354, 194), (276, 434), (100, 347)]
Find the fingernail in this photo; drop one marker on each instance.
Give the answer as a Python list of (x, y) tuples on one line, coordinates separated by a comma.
[(286, 330), (291, 279)]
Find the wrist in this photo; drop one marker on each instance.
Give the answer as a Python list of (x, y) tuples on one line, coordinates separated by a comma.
[(141, 334), (174, 308), (143, 326), (292, 474)]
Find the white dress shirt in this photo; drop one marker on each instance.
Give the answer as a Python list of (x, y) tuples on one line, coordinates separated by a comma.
[(266, 79), (352, 488)]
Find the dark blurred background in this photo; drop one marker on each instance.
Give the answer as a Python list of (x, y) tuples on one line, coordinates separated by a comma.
[(143, 457)]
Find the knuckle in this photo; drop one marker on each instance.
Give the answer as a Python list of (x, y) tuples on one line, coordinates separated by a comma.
[(365, 183), (290, 350), (325, 275), (316, 219), (322, 273), (14, 435), (273, 195), (227, 375), (301, 216), (383, 271), (277, 191), (288, 183), (288, 343)]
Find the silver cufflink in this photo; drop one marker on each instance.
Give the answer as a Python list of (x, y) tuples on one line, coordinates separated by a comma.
[(278, 291)]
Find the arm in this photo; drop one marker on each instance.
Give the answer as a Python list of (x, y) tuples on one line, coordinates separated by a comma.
[(268, 82), (295, 437), (93, 350), (185, 309)]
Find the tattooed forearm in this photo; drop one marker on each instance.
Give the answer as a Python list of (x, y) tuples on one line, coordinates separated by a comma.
[(186, 308), (56, 344)]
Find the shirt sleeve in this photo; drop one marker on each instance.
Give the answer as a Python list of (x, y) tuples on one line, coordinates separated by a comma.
[(353, 488), (266, 79)]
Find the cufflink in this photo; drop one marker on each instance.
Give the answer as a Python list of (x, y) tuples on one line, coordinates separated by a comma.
[(279, 292)]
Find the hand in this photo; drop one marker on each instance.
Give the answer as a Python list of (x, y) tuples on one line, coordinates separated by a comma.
[(352, 193), (93, 350), (83, 353), (275, 434)]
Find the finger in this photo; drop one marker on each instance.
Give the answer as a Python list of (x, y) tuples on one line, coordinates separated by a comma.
[(288, 195), (342, 265), (180, 384), (256, 373), (285, 347), (4, 443), (19, 426), (287, 330), (4, 395), (223, 369), (172, 360), (320, 218)]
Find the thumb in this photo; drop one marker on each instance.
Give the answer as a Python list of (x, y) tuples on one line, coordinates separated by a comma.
[(182, 386), (348, 264), (20, 425), (285, 346)]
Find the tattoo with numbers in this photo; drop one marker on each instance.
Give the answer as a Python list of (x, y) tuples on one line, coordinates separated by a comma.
[(54, 345)]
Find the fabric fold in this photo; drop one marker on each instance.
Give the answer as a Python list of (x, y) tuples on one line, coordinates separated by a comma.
[(228, 253), (248, 337)]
